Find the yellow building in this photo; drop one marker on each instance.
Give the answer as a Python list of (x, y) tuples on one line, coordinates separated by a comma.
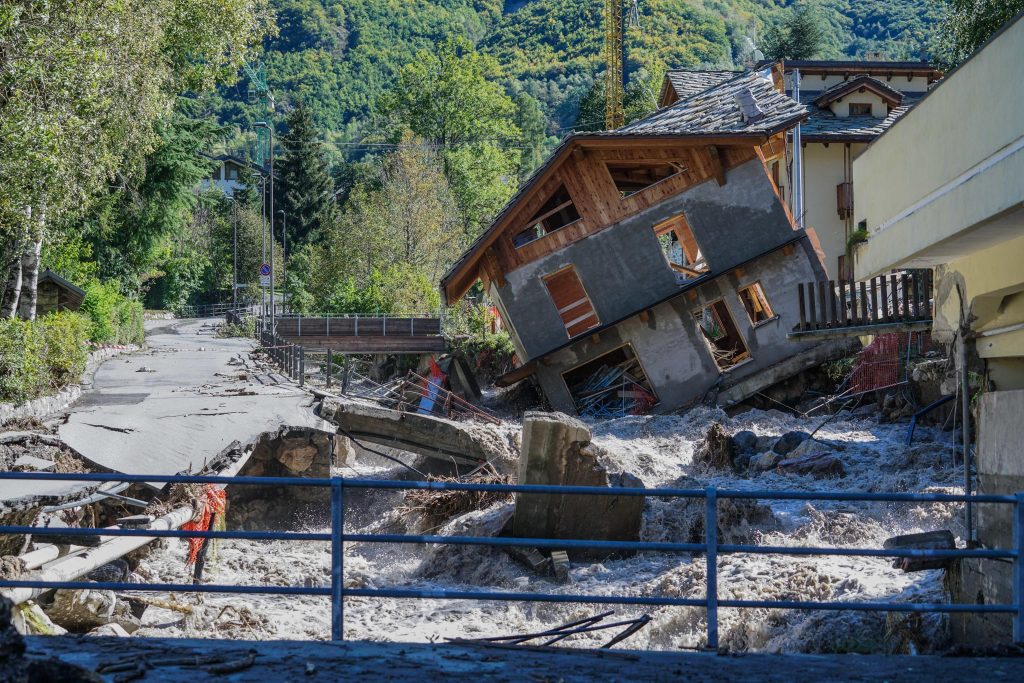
[(851, 103), (943, 188)]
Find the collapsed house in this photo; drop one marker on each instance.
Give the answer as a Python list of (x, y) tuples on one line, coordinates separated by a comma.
[(648, 267)]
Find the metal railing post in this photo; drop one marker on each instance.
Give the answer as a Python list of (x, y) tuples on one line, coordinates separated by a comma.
[(1018, 570), (337, 559), (384, 326), (711, 540), (302, 366), (329, 367)]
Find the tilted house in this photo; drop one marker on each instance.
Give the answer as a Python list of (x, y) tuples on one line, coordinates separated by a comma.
[(850, 103), (642, 268)]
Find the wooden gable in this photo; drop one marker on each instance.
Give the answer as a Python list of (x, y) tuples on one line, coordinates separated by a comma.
[(585, 175)]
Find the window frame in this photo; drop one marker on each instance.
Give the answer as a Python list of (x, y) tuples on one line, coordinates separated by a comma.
[(672, 225), (696, 313), (765, 303), (559, 311), (860, 113), (679, 166), (533, 222)]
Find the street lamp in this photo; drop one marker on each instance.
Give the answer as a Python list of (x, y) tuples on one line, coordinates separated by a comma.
[(284, 253), (270, 131)]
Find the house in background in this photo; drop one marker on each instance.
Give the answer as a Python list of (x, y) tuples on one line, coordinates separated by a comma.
[(851, 103), (943, 189), (54, 293), (652, 266), (228, 173)]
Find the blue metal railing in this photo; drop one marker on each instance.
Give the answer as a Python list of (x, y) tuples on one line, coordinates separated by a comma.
[(711, 548)]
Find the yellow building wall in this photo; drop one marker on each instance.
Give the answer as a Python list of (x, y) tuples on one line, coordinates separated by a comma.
[(949, 165)]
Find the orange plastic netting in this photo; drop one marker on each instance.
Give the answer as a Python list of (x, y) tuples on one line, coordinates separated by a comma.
[(212, 507)]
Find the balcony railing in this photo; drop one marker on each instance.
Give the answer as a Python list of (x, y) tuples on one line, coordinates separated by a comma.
[(886, 303)]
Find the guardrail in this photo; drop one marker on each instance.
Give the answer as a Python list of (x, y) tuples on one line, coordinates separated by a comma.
[(711, 548), (291, 358), (206, 310), (901, 299), (359, 325)]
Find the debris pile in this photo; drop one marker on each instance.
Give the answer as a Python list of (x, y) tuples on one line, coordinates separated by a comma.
[(436, 507), (614, 391)]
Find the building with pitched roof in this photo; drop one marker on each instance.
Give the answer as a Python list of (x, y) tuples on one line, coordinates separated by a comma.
[(851, 103), (649, 267)]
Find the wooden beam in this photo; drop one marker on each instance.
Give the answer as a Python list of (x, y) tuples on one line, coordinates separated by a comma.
[(717, 167)]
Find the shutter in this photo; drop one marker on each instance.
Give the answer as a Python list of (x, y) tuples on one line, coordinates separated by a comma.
[(571, 301)]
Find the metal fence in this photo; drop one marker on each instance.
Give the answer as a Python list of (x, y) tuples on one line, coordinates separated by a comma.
[(711, 548)]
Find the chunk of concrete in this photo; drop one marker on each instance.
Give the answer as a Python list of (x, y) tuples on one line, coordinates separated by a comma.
[(557, 451), (109, 630)]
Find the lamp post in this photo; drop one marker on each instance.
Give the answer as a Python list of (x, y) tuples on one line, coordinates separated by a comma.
[(284, 254), (234, 254), (270, 132)]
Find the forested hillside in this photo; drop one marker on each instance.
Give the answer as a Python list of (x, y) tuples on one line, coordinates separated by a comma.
[(339, 55)]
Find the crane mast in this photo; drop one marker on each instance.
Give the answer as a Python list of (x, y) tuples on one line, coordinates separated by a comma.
[(615, 24)]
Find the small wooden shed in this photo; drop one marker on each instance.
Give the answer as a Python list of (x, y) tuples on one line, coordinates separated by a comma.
[(57, 294)]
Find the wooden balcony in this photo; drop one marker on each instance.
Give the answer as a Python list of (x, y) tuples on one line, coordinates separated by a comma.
[(898, 302)]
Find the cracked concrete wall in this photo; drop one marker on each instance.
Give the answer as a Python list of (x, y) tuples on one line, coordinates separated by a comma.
[(623, 268), (673, 352)]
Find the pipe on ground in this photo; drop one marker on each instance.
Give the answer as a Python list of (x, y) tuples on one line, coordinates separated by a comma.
[(72, 567)]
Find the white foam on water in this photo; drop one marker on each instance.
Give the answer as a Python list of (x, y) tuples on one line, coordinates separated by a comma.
[(659, 450)]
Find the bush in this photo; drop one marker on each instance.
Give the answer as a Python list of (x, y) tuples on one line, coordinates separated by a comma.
[(40, 356), (116, 319)]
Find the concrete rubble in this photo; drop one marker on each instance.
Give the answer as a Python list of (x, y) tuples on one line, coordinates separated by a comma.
[(557, 450)]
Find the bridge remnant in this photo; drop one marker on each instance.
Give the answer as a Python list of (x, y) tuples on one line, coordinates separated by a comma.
[(557, 450)]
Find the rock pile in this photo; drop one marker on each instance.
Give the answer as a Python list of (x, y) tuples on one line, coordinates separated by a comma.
[(794, 452)]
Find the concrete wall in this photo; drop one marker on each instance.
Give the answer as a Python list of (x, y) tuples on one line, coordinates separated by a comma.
[(1000, 470), (949, 166), (672, 350), (623, 268)]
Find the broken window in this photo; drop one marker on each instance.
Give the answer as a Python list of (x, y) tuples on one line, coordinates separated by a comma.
[(756, 303), (860, 109), (611, 385), (680, 247), (631, 177), (556, 213), (724, 340), (571, 300)]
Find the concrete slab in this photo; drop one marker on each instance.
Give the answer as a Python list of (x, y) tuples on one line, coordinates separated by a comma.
[(165, 660), (177, 405)]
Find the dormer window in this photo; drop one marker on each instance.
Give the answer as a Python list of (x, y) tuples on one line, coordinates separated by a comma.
[(860, 109), (556, 213)]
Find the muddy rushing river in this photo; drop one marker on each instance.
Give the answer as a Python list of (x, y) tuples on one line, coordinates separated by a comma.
[(659, 450)]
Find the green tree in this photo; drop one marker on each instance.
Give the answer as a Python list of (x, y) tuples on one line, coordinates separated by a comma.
[(305, 190), (969, 23), (450, 97), (532, 124), (81, 86), (801, 35)]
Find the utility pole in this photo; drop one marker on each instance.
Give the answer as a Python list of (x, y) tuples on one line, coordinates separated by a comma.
[(234, 251), (284, 255), (270, 136)]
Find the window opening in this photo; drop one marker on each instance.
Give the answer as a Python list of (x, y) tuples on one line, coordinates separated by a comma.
[(632, 177), (756, 303), (612, 385), (860, 109), (556, 213), (724, 340), (572, 302), (681, 248)]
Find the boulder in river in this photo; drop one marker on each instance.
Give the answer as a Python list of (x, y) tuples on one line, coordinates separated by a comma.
[(789, 441), (819, 466)]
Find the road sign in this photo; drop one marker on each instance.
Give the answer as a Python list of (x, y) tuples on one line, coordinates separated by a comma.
[(264, 280), (265, 270)]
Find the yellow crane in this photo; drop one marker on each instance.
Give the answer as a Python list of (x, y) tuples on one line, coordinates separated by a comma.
[(615, 25)]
